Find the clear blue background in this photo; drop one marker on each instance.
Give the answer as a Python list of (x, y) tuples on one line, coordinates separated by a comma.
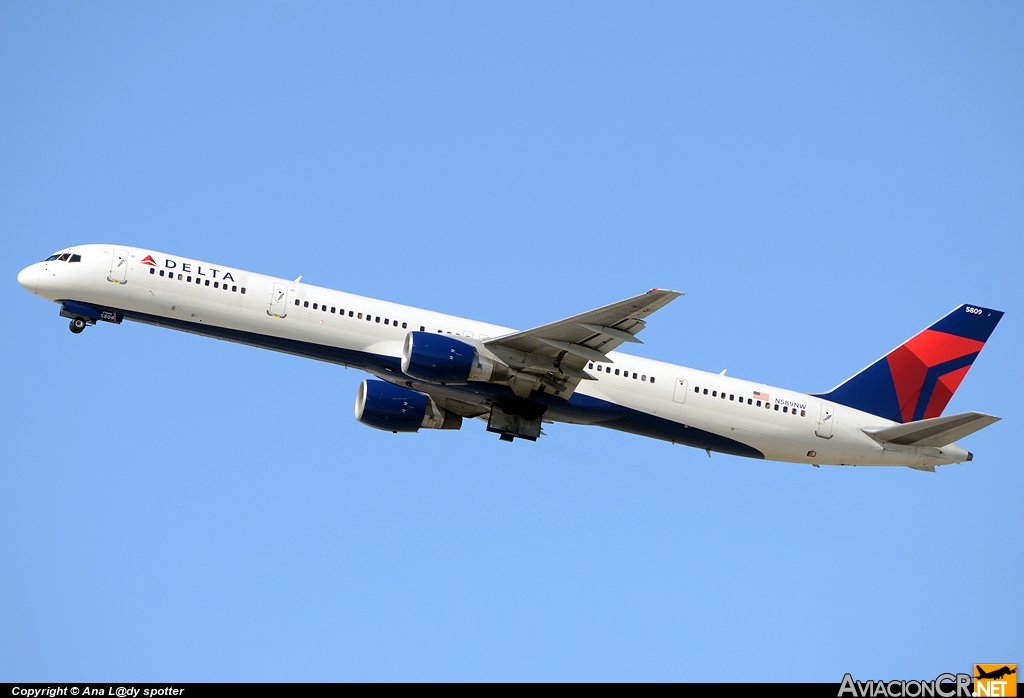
[(822, 180)]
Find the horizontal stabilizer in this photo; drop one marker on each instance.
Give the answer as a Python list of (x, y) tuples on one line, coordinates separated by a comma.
[(938, 431)]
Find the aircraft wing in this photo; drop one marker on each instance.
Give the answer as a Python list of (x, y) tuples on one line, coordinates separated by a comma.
[(937, 431), (553, 356)]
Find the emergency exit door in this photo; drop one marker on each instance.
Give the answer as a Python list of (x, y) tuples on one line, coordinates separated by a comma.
[(828, 416), (118, 267), (279, 301), (680, 394)]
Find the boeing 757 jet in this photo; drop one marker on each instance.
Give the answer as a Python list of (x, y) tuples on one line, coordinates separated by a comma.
[(431, 371)]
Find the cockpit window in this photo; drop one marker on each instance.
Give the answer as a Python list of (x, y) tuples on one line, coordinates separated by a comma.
[(66, 257)]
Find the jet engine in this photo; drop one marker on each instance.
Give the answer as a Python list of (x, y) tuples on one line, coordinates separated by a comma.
[(393, 408), (444, 359)]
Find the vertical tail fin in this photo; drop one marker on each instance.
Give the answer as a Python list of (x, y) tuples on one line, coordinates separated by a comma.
[(917, 379)]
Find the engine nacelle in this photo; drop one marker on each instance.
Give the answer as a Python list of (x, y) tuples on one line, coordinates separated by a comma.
[(381, 405), (442, 358)]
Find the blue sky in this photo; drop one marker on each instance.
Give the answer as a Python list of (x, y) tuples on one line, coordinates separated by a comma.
[(822, 180)]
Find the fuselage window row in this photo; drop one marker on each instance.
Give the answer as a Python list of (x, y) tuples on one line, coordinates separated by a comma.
[(750, 401), (352, 313), (624, 373), (199, 281)]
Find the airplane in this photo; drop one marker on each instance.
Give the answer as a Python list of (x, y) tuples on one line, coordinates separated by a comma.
[(431, 371), (995, 674)]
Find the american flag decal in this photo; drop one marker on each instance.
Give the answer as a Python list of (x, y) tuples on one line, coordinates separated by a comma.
[(760, 396)]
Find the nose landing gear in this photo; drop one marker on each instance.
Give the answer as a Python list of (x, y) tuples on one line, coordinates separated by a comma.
[(77, 325)]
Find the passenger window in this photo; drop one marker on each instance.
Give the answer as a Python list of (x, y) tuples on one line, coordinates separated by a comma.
[(731, 397), (305, 304), (323, 308), (216, 284), (785, 409), (377, 320), (750, 401), (360, 315), (188, 279), (705, 391), (590, 365), (314, 306), (296, 301), (422, 328), (776, 408), (404, 325), (152, 270), (696, 389), (161, 272), (643, 377), (207, 282), (350, 314), (179, 277), (652, 378), (714, 393), (386, 321), (803, 413), (198, 280), (234, 288), (723, 395), (616, 372), (600, 367), (333, 308), (76, 258), (243, 290), (758, 403)]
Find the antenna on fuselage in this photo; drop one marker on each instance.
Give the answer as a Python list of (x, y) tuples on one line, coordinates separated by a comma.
[(298, 279)]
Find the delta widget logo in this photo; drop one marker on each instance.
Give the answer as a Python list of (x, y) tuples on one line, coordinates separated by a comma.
[(149, 261)]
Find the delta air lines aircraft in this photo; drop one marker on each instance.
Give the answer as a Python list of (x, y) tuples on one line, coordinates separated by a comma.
[(431, 371)]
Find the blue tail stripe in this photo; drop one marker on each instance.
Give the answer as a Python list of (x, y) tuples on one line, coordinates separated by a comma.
[(932, 378)]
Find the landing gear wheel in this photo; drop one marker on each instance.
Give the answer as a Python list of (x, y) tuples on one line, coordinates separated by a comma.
[(77, 325)]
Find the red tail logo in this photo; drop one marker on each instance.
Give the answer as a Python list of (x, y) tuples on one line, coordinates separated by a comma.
[(917, 379), (148, 261)]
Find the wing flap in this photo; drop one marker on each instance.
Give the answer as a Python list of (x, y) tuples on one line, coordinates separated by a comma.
[(552, 357), (938, 431), (588, 329)]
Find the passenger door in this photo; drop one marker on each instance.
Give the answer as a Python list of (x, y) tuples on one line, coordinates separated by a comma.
[(825, 421), (279, 301), (681, 390), (118, 267)]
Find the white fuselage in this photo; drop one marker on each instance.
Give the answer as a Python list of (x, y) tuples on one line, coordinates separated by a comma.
[(209, 299)]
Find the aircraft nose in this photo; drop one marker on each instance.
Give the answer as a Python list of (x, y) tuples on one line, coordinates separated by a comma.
[(29, 278)]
